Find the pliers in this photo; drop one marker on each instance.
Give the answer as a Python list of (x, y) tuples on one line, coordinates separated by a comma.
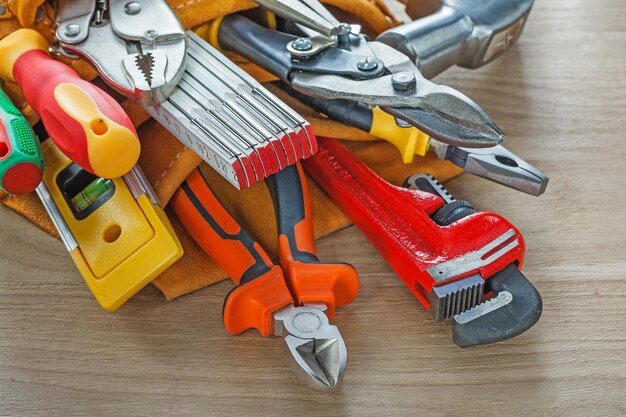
[(349, 66), (140, 50), (294, 300), (495, 163)]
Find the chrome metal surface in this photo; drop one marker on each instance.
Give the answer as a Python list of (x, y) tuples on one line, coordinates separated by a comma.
[(316, 348), (473, 260), (496, 164), (468, 33), (487, 307), (56, 217), (310, 13), (456, 297), (140, 50)]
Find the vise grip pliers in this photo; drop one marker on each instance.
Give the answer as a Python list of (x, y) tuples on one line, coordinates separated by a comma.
[(140, 49)]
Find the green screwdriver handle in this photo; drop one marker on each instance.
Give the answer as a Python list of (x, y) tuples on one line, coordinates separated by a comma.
[(21, 159)]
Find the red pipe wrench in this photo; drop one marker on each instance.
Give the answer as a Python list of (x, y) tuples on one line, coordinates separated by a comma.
[(459, 263)]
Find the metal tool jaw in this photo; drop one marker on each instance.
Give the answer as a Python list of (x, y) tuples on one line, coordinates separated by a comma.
[(402, 91), (310, 13), (462, 32), (138, 47), (496, 164), (366, 72), (483, 310), (316, 348)]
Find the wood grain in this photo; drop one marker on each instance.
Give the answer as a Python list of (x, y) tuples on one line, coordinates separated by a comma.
[(560, 94)]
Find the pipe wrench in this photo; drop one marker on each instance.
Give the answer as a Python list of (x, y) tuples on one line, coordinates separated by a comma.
[(238, 127), (294, 300), (348, 66), (459, 263)]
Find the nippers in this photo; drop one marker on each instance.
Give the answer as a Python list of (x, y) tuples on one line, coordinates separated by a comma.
[(294, 300)]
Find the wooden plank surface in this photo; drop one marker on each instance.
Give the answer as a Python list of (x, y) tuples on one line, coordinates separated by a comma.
[(560, 94)]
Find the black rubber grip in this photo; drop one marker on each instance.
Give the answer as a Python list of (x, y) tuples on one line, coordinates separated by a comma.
[(265, 47), (453, 212), (352, 113), (288, 196)]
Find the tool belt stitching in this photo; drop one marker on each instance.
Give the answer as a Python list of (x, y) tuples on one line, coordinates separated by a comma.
[(169, 167)]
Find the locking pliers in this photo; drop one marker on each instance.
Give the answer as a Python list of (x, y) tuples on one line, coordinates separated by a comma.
[(138, 46)]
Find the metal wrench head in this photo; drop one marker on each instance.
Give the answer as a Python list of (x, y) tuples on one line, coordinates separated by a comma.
[(515, 308), (468, 33), (497, 25), (316, 348)]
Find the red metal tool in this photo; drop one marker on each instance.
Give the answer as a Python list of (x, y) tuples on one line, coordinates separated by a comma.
[(457, 262), (84, 122)]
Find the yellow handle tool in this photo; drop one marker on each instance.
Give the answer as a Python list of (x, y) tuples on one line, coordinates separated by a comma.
[(409, 140)]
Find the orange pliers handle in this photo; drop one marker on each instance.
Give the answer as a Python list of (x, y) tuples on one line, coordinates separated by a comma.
[(261, 287), (310, 281)]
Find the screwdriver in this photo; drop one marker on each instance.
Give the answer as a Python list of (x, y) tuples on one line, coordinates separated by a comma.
[(86, 124), (21, 160)]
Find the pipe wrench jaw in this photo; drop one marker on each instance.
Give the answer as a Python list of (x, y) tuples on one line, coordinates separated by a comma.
[(315, 348), (140, 49), (515, 307), (482, 310)]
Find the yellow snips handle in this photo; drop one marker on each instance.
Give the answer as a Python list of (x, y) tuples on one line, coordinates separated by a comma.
[(410, 141)]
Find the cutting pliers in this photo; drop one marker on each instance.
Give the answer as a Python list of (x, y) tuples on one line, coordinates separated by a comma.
[(495, 163), (294, 300), (348, 66), (140, 50)]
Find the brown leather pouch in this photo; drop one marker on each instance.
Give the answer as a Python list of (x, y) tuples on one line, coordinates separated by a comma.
[(167, 162)]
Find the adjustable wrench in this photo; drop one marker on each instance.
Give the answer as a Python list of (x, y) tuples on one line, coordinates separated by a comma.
[(462, 32)]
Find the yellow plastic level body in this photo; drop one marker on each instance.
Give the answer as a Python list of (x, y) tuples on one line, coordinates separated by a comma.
[(122, 245)]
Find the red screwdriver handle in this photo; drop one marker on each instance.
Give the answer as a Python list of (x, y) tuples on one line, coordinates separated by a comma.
[(86, 124), (398, 222)]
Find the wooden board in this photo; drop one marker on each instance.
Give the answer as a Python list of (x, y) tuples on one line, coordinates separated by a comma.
[(560, 94)]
